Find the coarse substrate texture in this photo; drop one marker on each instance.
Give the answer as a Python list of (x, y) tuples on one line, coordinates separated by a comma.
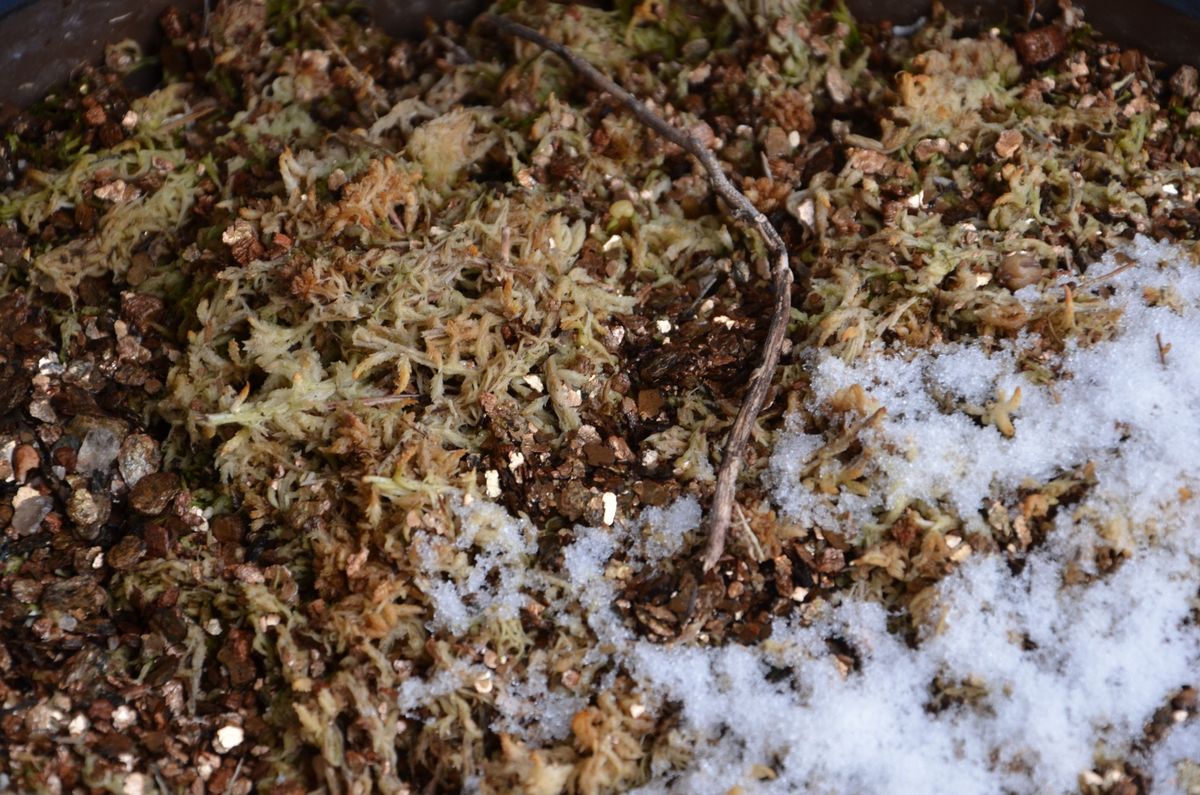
[(361, 399)]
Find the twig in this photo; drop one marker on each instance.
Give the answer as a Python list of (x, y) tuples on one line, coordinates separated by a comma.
[(743, 211), (1163, 349), (1124, 266), (505, 247), (233, 779), (459, 51), (380, 400), (195, 114), (751, 539)]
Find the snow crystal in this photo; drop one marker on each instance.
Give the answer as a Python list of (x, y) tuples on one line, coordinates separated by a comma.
[(494, 585), (450, 610), (534, 712), (660, 532), (585, 558), (416, 693)]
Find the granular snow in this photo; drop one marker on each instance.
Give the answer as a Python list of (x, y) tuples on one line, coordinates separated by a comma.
[(1063, 676)]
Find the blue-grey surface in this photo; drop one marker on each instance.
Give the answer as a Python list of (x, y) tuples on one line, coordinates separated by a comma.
[(1189, 7), (11, 5)]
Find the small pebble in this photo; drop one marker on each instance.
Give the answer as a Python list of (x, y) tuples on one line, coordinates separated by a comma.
[(98, 451), (88, 511), (79, 595), (25, 460), (228, 528), (29, 509), (1185, 81), (123, 717), (154, 493), (491, 484), (135, 784), (126, 553), (610, 507), (228, 738), (138, 457)]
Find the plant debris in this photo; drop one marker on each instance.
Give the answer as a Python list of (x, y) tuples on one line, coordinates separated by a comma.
[(781, 271), (359, 397)]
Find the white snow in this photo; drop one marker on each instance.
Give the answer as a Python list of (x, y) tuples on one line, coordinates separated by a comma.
[(1063, 676), (1117, 406), (532, 710), (495, 581), (1175, 762), (1106, 657)]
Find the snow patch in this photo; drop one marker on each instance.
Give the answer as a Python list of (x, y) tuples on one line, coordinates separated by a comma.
[(1054, 676)]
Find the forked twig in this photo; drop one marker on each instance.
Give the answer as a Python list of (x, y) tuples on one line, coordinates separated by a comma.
[(743, 211)]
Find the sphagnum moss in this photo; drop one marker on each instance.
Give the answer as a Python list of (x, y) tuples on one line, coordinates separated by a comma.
[(393, 279)]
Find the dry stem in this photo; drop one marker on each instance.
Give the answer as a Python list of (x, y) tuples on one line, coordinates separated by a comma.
[(743, 211)]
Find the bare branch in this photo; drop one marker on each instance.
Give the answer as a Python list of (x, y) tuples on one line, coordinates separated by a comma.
[(743, 211)]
